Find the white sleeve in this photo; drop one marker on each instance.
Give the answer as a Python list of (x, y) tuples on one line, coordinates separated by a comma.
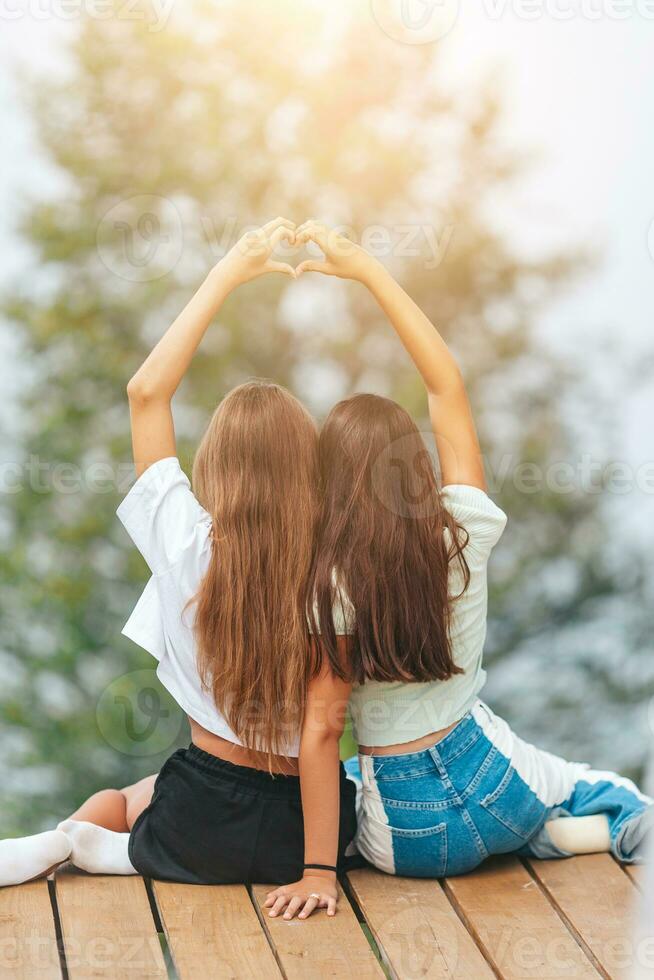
[(343, 613), (145, 626), (475, 511), (162, 516)]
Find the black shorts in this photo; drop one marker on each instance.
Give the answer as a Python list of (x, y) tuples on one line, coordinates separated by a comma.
[(214, 823)]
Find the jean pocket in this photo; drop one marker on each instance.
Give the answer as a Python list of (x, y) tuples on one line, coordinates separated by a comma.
[(417, 851), (515, 806)]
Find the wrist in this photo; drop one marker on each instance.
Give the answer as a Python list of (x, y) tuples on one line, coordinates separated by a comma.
[(223, 276), (317, 873), (369, 270)]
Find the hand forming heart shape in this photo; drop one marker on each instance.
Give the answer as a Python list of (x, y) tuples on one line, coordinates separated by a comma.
[(252, 256)]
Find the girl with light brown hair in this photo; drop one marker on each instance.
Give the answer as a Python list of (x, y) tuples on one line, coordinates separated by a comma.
[(224, 613)]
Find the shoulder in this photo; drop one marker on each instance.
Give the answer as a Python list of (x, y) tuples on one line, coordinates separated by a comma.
[(155, 483), (162, 515), (473, 509)]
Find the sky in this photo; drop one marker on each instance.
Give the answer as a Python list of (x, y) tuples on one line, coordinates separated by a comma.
[(577, 85)]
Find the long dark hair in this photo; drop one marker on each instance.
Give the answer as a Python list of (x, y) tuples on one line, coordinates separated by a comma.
[(387, 541)]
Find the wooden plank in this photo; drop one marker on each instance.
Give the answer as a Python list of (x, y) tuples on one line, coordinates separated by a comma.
[(320, 946), (28, 939), (416, 928), (598, 900), (213, 931), (514, 923), (107, 927)]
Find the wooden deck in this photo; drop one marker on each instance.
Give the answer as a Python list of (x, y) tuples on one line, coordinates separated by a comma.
[(510, 919)]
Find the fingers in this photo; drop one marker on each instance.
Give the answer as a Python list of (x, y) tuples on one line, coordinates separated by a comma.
[(282, 267), (279, 905), (278, 901), (265, 240), (312, 265), (293, 906), (277, 223), (301, 229), (311, 231), (309, 906), (311, 226), (261, 241), (281, 233), (270, 898)]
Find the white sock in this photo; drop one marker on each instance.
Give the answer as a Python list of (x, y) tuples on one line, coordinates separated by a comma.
[(24, 858), (581, 835), (97, 849)]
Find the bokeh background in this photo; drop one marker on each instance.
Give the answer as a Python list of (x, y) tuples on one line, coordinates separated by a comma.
[(498, 159)]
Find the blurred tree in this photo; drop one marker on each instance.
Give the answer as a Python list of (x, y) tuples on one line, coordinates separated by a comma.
[(169, 142)]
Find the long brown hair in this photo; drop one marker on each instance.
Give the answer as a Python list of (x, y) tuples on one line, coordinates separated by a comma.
[(386, 540), (256, 473)]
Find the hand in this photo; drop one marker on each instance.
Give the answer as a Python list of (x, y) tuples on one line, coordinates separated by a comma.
[(312, 892), (252, 255), (342, 257)]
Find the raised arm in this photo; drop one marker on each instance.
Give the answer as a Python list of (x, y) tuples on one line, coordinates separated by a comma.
[(449, 408), (151, 389), (319, 763)]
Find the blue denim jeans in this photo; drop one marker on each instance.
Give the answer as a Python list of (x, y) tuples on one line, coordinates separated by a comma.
[(479, 791)]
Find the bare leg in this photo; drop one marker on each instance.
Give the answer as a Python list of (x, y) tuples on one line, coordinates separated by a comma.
[(137, 798), (105, 809), (95, 837), (117, 809), (99, 830)]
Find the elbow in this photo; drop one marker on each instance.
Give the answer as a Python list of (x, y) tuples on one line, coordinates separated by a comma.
[(451, 386), (140, 391), (320, 740)]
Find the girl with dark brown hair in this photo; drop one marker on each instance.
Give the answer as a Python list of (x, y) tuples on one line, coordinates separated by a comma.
[(398, 609)]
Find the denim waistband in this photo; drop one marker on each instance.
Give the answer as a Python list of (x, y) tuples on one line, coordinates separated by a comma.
[(455, 743)]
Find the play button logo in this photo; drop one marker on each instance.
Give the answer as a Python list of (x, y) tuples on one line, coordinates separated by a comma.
[(415, 21)]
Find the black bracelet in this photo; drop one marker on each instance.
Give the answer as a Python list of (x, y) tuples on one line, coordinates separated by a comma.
[(321, 867)]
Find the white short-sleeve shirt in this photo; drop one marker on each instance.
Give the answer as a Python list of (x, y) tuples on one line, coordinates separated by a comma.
[(173, 533)]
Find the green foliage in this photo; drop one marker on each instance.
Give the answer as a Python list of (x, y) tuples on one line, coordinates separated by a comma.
[(237, 113)]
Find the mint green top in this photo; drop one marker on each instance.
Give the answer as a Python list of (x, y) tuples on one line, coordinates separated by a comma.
[(389, 713)]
